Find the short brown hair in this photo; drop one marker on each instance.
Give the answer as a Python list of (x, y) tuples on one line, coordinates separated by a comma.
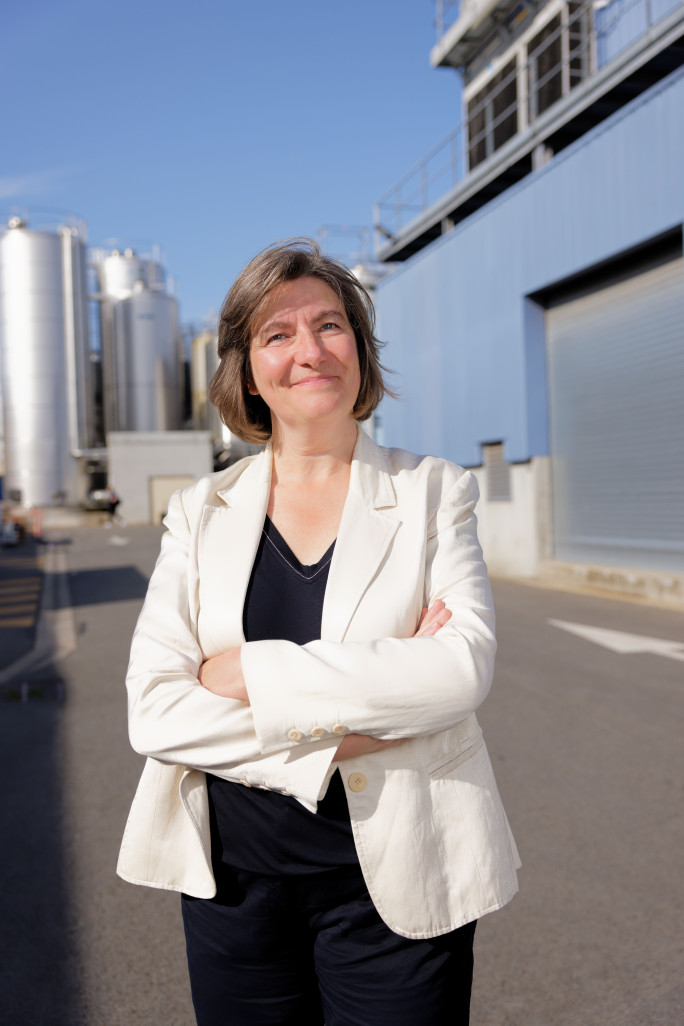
[(248, 416)]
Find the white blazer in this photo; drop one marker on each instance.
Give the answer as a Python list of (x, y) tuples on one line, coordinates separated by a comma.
[(430, 830)]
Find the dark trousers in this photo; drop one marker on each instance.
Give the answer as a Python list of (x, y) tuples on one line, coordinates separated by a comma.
[(308, 950)]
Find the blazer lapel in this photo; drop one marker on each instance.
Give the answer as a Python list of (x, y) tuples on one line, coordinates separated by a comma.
[(369, 522), (229, 538)]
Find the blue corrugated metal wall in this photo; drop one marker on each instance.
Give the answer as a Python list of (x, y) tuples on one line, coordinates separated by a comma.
[(467, 343)]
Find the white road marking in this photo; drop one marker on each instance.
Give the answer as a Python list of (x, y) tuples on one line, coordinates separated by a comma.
[(620, 641)]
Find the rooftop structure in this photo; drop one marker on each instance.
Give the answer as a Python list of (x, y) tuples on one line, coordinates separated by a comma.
[(536, 76)]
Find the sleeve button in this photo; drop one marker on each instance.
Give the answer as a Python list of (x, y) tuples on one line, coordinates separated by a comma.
[(294, 735), (319, 732), (357, 782), (340, 728)]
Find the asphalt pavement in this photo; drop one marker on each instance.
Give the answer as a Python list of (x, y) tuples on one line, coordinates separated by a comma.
[(586, 743)]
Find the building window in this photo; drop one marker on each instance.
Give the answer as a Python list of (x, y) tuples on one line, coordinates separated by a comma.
[(493, 115), (545, 68), (558, 58), (497, 473), (579, 42)]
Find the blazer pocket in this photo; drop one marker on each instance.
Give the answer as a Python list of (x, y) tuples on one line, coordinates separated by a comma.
[(450, 760)]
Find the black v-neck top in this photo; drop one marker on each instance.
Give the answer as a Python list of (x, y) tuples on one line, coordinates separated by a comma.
[(284, 598), (264, 831)]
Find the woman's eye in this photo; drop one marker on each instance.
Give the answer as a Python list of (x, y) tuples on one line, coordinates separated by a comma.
[(275, 338), (328, 325)]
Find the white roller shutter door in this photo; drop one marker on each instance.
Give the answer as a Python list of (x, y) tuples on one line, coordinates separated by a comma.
[(616, 415)]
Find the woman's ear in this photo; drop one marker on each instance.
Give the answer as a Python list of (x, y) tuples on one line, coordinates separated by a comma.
[(247, 376)]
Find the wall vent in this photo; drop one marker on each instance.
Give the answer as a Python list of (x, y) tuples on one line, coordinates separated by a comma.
[(497, 473)]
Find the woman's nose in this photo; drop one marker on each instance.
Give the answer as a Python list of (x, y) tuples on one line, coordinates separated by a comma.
[(309, 348)]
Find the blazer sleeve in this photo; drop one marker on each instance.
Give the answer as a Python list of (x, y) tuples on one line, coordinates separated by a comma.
[(389, 687), (172, 718)]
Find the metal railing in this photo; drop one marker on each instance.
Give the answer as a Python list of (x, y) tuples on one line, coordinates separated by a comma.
[(44, 219), (350, 243), (589, 38), (446, 13)]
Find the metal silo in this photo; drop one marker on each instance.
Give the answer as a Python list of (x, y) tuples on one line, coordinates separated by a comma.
[(141, 360), (45, 365), (203, 363), (119, 273), (145, 331)]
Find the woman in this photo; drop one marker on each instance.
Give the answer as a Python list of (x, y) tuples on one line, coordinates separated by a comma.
[(317, 634)]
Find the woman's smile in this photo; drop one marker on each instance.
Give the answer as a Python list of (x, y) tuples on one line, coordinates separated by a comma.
[(318, 379)]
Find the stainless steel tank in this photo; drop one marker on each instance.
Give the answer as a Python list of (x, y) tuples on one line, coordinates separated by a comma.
[(146, 363), (203, 363), (119, 273), (44, 360), (141, 360)]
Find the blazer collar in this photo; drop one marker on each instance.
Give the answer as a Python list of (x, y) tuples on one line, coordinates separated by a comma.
[(370, 479), (369, 522), (241, 482)]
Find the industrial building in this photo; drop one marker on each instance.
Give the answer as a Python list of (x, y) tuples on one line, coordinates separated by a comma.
[(96, 386), (536, 313), (93, 375)]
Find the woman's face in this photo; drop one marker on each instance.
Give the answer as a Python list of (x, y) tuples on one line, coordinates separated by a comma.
[(304, 360)]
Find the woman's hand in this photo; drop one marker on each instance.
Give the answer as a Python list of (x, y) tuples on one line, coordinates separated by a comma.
[(354, 745), (432, 619), (222, 675)]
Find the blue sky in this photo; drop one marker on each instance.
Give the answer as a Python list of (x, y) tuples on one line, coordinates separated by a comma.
[(214, 128)]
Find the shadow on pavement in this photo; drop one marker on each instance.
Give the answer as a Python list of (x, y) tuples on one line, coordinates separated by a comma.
[(21, 581), (106, 584), (39, 970)]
